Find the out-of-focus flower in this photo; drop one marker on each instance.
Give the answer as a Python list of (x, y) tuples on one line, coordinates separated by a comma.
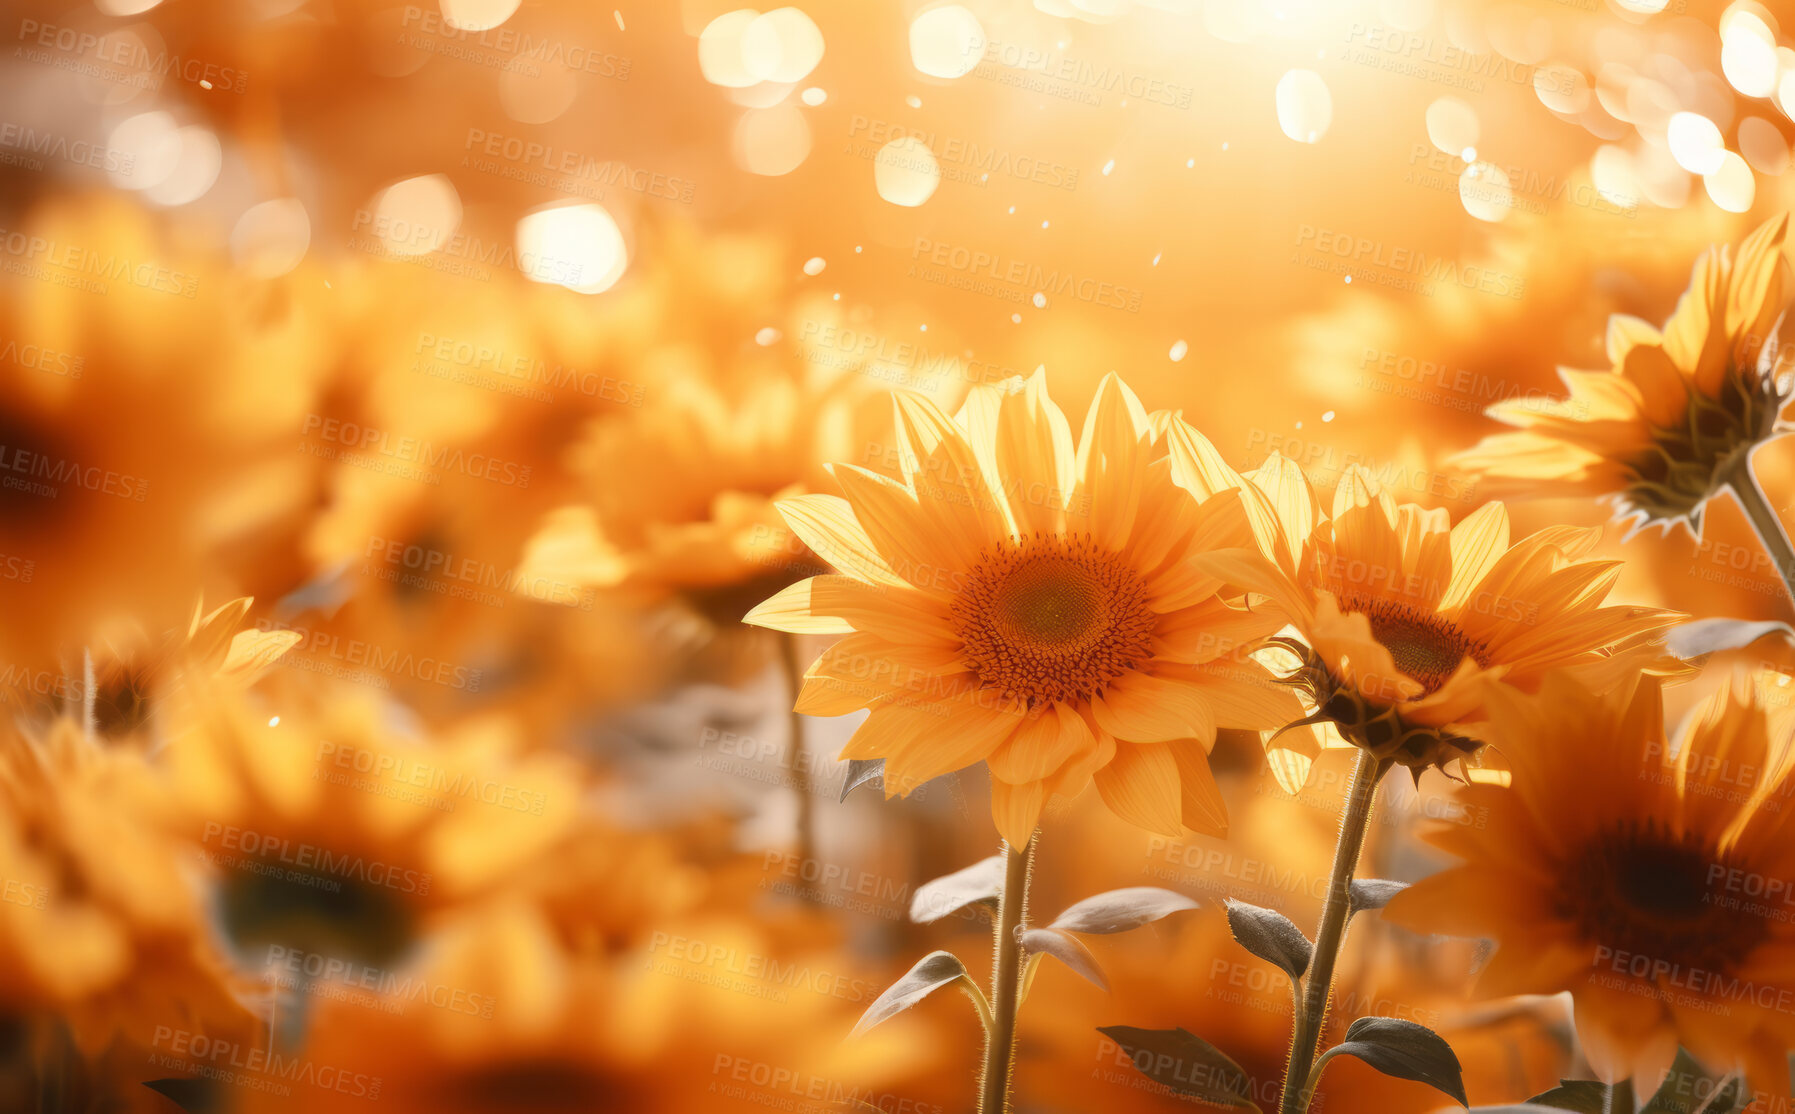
[(1407, 620), (1019, 602), (132, 680), (335, 830), (1631, 879), (101, 925), (1678, 412), (529, 1024), (680, 495)]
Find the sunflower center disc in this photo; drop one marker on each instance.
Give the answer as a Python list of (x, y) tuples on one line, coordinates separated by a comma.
[(1052, 619), (1424, 645)]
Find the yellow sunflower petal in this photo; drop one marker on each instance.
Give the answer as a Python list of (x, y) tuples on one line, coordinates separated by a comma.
[(1016, 809), (1041, 746), (790, 611), (1141, 785), (1142, 708), (1110, 455)]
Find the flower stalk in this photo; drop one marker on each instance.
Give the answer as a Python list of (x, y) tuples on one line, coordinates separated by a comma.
[(1318, 980), (1742, 480), (1006, 979)]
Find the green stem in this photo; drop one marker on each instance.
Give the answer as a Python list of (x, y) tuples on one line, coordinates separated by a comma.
[(1742, 480), (1006, 980), (795, 765), (1319, 979)]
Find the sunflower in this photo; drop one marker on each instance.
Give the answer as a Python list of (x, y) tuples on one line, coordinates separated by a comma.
[(103, 936), (131, 680), (498, 1016), (333, 827), (1654, 889), (1679, 411), (1017, 602), (1406, 621)]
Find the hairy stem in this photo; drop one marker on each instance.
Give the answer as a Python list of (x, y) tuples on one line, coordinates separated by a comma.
[(1742, 480), (1319, 979), (1006, 980)]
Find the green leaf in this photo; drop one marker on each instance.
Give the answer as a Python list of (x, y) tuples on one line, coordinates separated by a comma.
[(931, 973), (1066, 948), (1121, 910), (1270, 935), (1402, 1049), (1372, 893), (1184, 1063), (982, 881)]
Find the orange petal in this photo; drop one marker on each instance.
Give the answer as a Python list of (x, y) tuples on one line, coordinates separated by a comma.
[(1140, 785)]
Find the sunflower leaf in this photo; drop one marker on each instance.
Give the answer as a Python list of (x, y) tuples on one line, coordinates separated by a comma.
[(1706, 636), (931, 973), (1121, 910), (860, 772), (1372, 893), (1587, 1096), (1270, 935), (195, 1096), (982, 881), (1404, 1050), (1185, 1063), (1066, 948)]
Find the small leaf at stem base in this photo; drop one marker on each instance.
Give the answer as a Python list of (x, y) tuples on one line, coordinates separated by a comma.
[(1066, 948), (931, 973), (1271, 936)]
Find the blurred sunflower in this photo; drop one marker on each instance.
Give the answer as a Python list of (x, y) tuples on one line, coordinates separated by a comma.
[(335, 830), (102, 929), (521, 1024), (1678, 413), (1406, 621), (1633, 880), (132, 680), (1019, 602)]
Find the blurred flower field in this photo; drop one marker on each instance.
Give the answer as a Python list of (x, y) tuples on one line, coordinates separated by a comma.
[(1015, 555)]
